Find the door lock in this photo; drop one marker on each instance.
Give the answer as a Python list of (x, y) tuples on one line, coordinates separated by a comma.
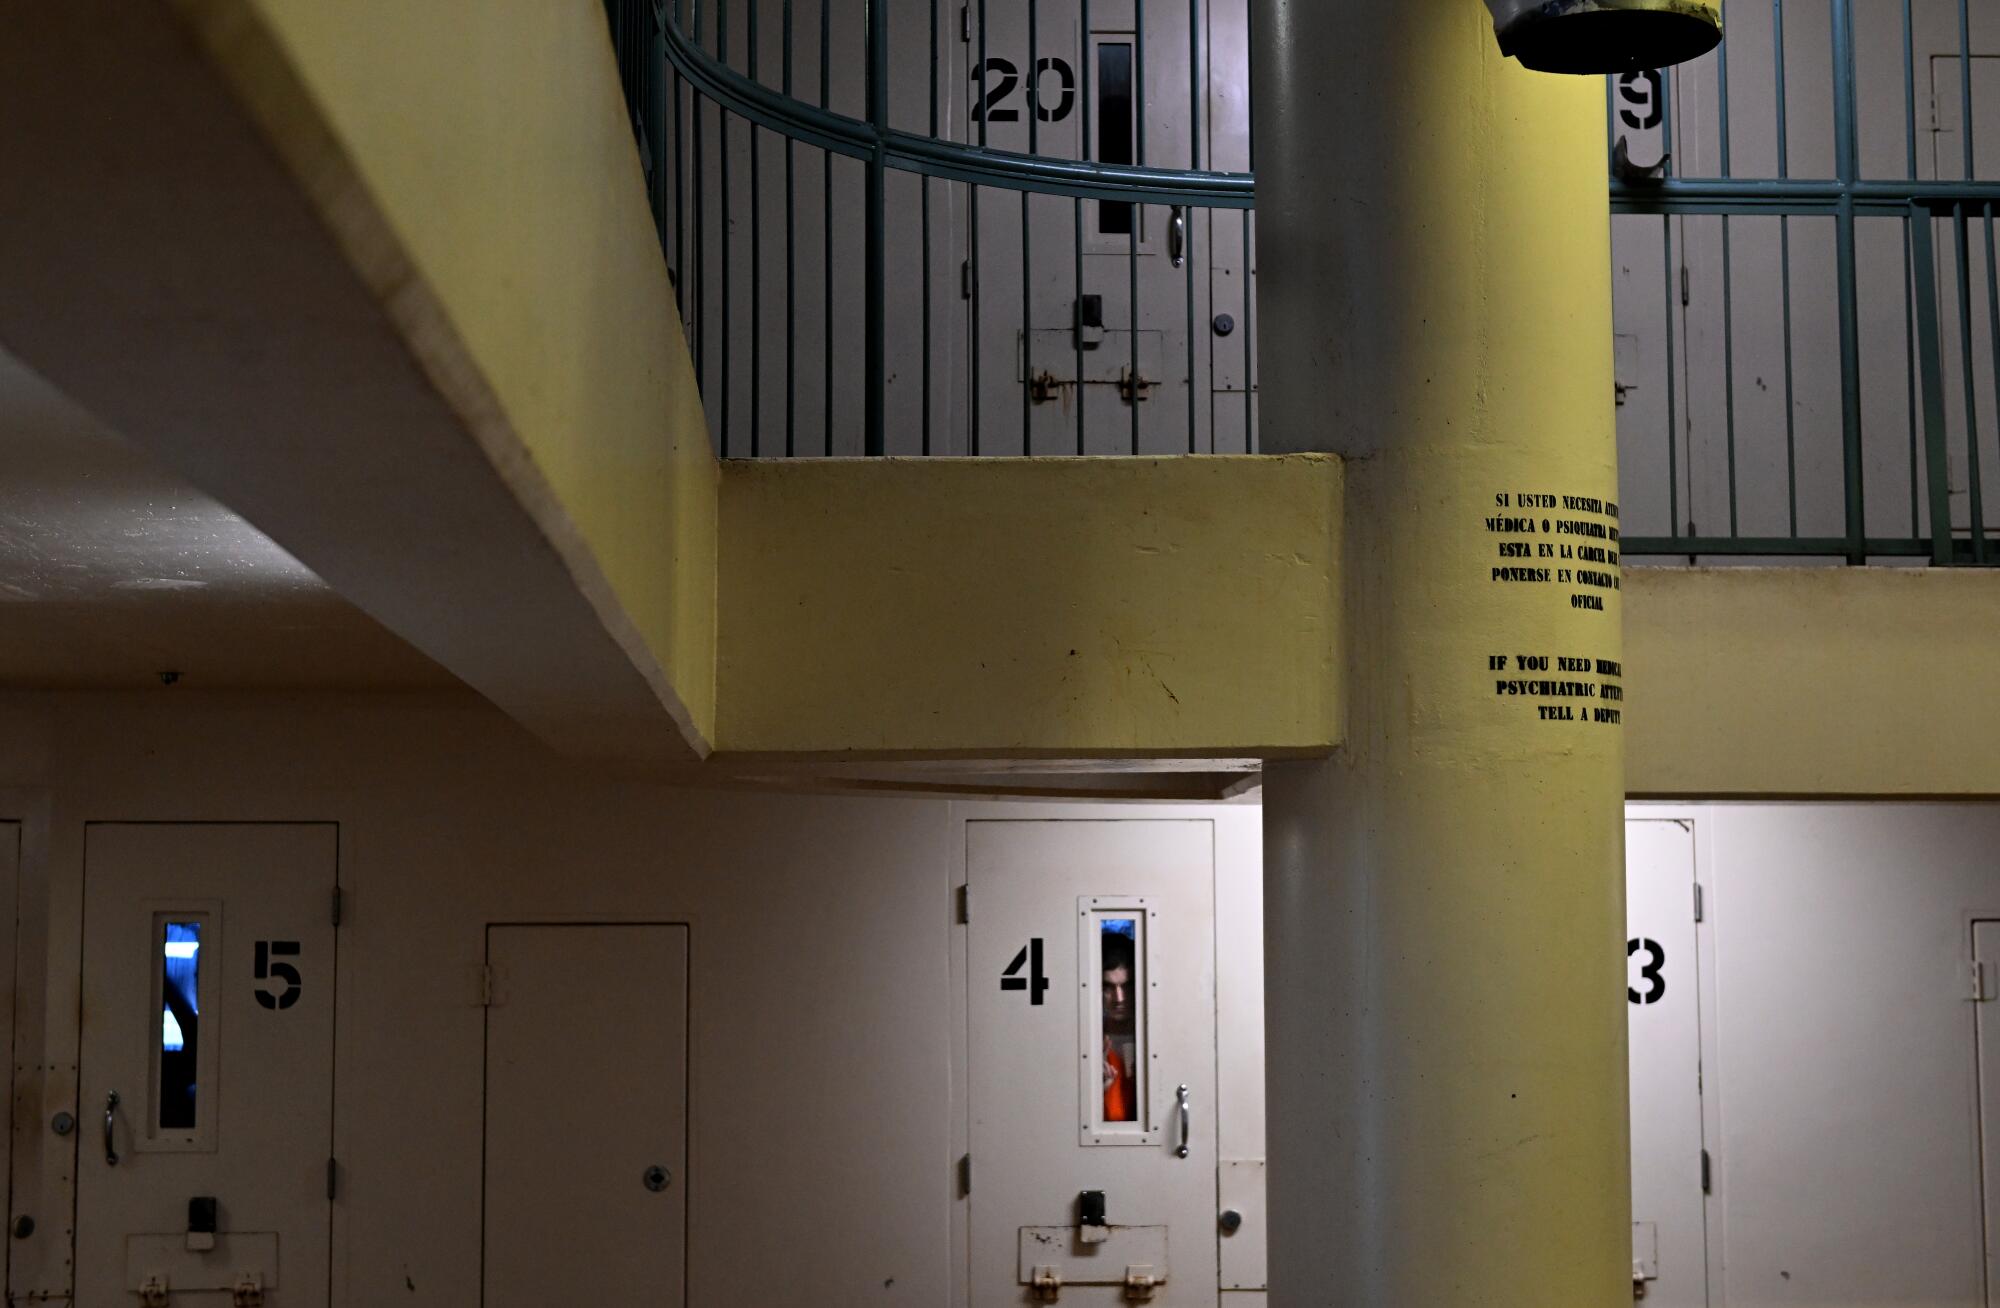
[(657, 1178), (1231, 1221)]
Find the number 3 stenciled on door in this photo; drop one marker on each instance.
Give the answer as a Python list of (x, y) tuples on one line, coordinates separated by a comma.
[(1654, 973), (269, 970)]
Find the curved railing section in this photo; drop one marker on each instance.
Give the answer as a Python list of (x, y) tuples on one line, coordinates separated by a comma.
[(867, 264)]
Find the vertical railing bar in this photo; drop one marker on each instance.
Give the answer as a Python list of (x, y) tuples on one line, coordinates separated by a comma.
[(1965, 111), (1187, 248), (1027, 325), (1250, 441), (826, 390), (929, 285), (972, 280), (1847, 166), (826, 226), (756, 259), (973, 231), (1923, 281), (1909, 93), (1076, 327), (728, 378), (875, 439), (680, 203), (791, 261), (1132, 266), (1962, 244), (1778, 72), (1993, 332), (1138, 210), (1791, 415), (1673, 428), (1027, 234), (700, 232), (1910, 369), (1722, 103), (925, 182), (1729, 366), (1086, 148)]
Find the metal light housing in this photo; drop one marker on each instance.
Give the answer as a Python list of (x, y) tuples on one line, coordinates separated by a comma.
[(1605, 36)]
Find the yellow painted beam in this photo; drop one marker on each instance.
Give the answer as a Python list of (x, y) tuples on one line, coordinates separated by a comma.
[(1813, 682), (1011, 608), (475, 160)]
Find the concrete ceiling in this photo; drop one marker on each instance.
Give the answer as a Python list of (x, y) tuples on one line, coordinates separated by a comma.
[(114, 571)]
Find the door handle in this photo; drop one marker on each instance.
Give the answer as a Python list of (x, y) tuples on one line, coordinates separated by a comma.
[(110, 1128), (1187, 1120), (1177, 237)]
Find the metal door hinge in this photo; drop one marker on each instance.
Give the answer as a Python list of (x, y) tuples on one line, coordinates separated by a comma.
[(1978, 991), (336, 906), (1698, 906), (1684, 286), (1707, 1174), (332, 1178), (965, 24), (965, 1174), (965, 279), (485, 985), (965, 903)]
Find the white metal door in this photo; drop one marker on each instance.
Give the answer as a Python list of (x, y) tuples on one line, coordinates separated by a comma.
[(207, 1069), (1110, 289), (1986, 949), (1669, 1245), (586, 1116), (1091, 957)]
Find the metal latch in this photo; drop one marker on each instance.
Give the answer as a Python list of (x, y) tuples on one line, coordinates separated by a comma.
[(1044, 387), (1047, 1285), (249, 1292), (1140, 1284), (153, 1291), (1134, 387)]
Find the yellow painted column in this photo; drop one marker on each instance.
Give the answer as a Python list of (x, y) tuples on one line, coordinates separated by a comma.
[(1445, 897)]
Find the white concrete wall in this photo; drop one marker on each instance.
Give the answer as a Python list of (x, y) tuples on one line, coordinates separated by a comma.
[(825, 1031)]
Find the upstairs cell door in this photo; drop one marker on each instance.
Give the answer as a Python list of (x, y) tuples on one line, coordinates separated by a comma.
[(204, 1171), (1669, 1167), (1080, 309), (1091, 1062)]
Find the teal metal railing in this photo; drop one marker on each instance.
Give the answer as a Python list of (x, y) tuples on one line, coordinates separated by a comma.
[(1813, 374), (1826, 167), (700, 75)]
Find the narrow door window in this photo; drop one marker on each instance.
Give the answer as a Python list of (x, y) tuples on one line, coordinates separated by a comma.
[(1119, 980), (179, 1027), (1116, 132)]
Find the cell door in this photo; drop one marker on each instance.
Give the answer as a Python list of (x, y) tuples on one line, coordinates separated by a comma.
[(1669, 1169), (207, 1064), (1080, 310), (1986, 949), (586, 1116), (1091, 1061)]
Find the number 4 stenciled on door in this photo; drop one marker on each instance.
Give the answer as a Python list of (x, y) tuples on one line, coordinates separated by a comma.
[(1034, 983), (267, 970)]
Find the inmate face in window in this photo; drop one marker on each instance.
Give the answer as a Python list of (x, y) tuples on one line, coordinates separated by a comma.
[(1120, 1020)]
